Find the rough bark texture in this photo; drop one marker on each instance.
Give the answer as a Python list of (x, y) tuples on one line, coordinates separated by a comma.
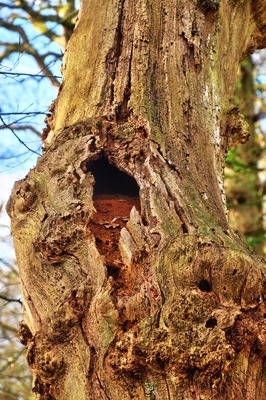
[(134, 288)]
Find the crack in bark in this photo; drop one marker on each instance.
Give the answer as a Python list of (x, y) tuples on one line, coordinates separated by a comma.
[(122, 112), (102, 388), (112, 57), (29, 301), (167, 387), (185, 224)]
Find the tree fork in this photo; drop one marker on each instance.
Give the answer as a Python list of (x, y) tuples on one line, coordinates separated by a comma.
[(133, 284)]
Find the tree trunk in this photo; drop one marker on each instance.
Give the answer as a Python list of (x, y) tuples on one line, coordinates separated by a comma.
[(134, 287)]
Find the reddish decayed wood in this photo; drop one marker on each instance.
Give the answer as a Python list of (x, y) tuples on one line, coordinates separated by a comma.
[(112, 214)]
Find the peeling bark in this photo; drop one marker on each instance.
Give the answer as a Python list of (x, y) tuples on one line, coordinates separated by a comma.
[(140, 290)]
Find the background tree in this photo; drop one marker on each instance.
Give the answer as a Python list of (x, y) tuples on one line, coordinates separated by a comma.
[(163, 306), (244, 188)]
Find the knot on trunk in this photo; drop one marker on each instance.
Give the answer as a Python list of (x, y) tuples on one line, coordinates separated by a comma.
[(44, 359)]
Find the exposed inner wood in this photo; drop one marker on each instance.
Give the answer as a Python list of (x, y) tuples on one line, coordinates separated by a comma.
[(115, 193), (111, 216)]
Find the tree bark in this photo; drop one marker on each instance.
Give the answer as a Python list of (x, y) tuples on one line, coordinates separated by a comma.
[(134, 286)]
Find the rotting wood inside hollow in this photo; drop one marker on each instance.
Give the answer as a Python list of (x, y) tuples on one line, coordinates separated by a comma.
[(115, 193)]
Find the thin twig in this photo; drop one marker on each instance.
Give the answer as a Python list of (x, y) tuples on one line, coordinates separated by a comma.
[(24, 113), (34, 75), (20, 141), (10, 300)]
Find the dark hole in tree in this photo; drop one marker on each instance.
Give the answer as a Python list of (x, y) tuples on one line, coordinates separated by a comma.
[(115, 194), (160, 361), (234, 272), (191, 372), (112, 271), (205, 286), (110, 180), (211, 323)]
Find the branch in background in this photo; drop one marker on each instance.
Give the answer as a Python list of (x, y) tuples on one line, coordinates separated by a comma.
[(9, 265), (18, 120), (259, 116), (38, 15), (11, 361), (23, 128), (25, 46), (24, 113), (18, 74), (21, 141), (8, 300), (63, 15)]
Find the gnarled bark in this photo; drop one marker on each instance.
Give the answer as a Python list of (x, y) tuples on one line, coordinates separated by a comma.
[(134, 287)]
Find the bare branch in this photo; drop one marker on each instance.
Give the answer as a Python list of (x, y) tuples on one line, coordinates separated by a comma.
[(23, 128), (26, 47), (30, 75), (20, 119), (24, 113), (9, 300), (21, 141)]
